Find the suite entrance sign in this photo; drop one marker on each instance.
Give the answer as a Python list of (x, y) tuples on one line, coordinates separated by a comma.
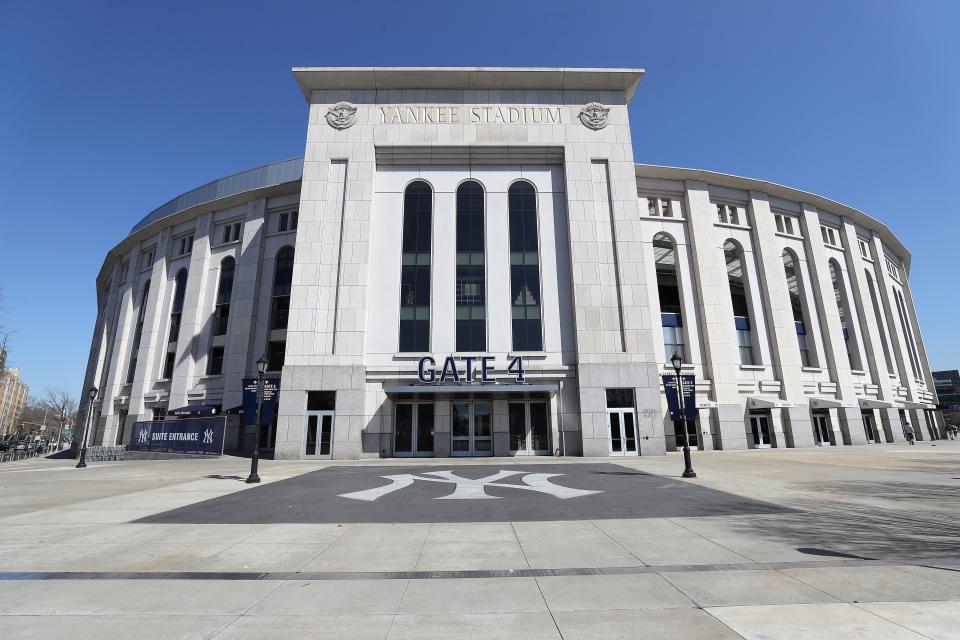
[(689, 397), (480, 369)]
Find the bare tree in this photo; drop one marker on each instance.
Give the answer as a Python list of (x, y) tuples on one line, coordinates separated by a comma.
[(62, 407)]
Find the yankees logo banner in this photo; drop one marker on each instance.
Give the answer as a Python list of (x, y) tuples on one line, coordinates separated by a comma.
[(196, 436)]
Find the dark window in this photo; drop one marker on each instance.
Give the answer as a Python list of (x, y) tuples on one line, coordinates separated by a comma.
[(168, 365), (849, 338), (176, 312), (738, 295), (282, 222), (671, 315), (216, 361), (880, 323), (321, 400), (294, 219), (275, 354), (282, 277), (224, 295), (415, 268), (620, 399), (524, 268), (138, 332), (471, 276), (790, 269)]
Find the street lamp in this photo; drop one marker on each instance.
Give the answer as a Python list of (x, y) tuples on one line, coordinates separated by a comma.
[(688, 471), (92, 394), (255, 459)]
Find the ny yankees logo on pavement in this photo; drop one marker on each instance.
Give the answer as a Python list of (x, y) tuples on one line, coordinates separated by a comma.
[(469, 489)]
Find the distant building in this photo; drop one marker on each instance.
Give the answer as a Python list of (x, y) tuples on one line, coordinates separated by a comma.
[(947, 384), (13, 399)]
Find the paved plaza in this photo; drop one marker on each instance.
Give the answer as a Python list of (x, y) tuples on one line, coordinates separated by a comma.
[(850, 542)]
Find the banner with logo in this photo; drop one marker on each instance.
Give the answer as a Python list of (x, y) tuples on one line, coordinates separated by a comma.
[(268, 405), (196, 436), (689, 397)]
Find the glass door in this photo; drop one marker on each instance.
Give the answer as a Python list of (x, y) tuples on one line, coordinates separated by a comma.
[(319, 434), (691, 431), (529, 429), (471, 429), (870, 427), (760, 425), (413, 429), (821, 429), (623, 432)]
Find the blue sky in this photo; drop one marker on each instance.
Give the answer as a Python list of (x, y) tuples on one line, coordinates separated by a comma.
[(108, 109)]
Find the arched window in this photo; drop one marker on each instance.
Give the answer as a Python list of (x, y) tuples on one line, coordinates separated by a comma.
[(668, 287), (176, 310), (221, 315), (138, 332), (907, 334), (471, 270), (880, 324), (846, 324), (738, 295), (415, 268), (280, 307), (791, 268), (524, 268)]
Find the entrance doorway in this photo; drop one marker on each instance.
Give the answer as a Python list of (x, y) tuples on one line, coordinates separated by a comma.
[(319, 434), (623, 432), (413, 429), (691, 432), (471, 429), (529, 429), (821, 429), (760, 427), (870, 427)]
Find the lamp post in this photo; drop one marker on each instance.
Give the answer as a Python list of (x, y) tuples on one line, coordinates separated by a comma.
[(255, 459), (688, 471), (91, 395)]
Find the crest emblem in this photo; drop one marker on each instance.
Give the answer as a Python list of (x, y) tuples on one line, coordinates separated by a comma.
[(144, 436), (341, 115), (208, 436), (594, 116)]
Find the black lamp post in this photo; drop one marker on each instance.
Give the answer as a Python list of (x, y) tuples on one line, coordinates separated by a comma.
[(688, 471), (91, 395), (255, 459)]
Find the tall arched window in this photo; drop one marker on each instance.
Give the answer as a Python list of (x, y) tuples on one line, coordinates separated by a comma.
[(880, 325), (471, 270), (138, 332), (846, 324), (280, 307), (738, 295), (524, 268), (791, 267), (176, 310), (907, 334), (415, 268), (221, 315), (668, 288)]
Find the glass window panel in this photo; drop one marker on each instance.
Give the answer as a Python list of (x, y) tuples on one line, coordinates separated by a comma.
[(518, 428), (620, 398), (616, 443), (629, 433), (539, 426), (326, 434), (311, 448), (460, 424), (425, 427), (321, 400), (403, 428)]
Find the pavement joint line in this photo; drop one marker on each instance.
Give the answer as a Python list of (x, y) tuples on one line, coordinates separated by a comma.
[(13, 576)]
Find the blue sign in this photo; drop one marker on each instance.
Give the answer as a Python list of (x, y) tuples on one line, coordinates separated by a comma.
[(268, 404), (197, 436), (689, 397)]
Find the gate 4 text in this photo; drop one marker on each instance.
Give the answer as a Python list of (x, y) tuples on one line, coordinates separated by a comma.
[(479, 369)]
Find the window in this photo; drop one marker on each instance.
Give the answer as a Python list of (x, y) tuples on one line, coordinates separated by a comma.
[(280, 300), (892, 269), (276, 351), (846, 325), (880, 323), (830, 236), (471, 276), (663, 207), (730, 214), (158, 413), (221, 314), (524, 268), (138, 332), (146, 260), (791, 269), (864, 248), (168, 365), (230, 232), (668, 287), (215, 365), (908, 334), (124, 271), (738, 295), (415, 268), (176, 311), (183, 245), (287, 220), (787, 224)]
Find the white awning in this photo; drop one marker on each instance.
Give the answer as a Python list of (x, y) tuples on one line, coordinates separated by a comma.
[(907, 404), (449, 389), (769, 403), (873, 403), (830, 403)]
